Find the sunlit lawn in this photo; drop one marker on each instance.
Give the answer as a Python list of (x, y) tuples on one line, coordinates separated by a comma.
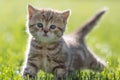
[(103, 40)]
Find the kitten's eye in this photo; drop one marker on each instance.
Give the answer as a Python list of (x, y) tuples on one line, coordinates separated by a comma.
[(52, 27), (40, 25)]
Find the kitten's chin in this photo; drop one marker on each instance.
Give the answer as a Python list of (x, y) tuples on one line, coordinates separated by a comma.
[(46, 39)]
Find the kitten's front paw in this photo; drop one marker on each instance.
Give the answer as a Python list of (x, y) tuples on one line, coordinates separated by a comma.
[(28, 74)]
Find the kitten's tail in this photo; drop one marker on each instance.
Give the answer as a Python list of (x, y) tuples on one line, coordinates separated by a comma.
[(86, 28)]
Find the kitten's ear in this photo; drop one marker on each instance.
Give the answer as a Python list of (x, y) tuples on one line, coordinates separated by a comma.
[(66, 14), (31, 10)]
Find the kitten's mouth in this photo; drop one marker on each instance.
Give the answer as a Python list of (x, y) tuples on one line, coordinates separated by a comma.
[(45, 35)]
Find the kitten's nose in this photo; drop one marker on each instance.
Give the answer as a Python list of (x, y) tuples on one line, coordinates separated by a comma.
[(45, 31)]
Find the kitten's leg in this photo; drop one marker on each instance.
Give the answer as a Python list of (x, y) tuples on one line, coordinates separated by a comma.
[(30, 70), (60, 74), (97, 65)]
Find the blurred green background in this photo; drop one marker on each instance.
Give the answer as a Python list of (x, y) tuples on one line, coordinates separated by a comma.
[(104, 40)]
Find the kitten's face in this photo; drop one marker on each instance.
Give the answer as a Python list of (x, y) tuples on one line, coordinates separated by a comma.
[(47, 25)]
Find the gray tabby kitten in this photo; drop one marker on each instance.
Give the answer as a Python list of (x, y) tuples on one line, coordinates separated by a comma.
[(50, 51)]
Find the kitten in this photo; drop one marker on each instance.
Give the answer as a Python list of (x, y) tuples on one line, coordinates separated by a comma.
[(50, 51)]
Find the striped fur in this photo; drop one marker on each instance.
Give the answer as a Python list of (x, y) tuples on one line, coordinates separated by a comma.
[(56, 53)]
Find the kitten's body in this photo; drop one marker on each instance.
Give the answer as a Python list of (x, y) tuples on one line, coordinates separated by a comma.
[(56, 53)]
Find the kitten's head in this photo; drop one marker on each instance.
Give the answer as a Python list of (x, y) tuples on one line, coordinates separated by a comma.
[(46, 25)]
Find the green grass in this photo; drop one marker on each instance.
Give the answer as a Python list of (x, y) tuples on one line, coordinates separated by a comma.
[(103, 40)]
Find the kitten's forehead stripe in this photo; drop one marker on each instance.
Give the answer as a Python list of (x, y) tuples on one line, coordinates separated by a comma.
[(48, 15)]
